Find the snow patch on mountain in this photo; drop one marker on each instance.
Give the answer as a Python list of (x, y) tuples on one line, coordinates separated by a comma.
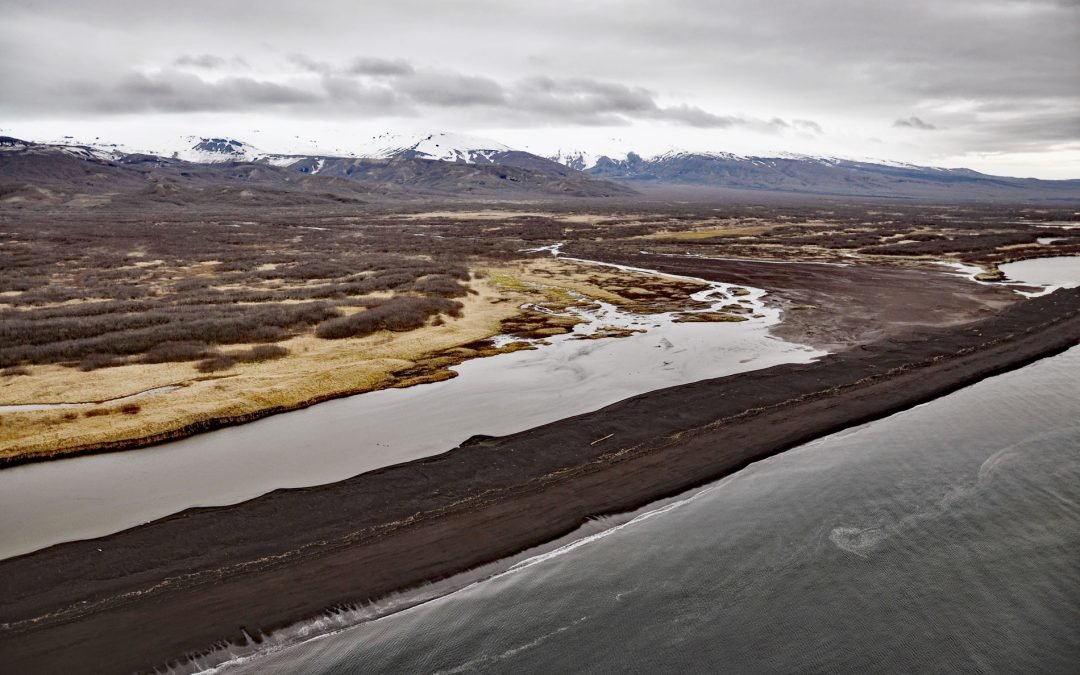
[(443, 147), (217, 151), (583, 160), (440, 146), (67, 147)]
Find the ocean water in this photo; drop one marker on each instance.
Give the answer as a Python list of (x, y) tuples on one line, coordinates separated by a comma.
[(942, 539)]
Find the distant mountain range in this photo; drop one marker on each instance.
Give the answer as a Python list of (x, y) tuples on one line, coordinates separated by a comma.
[(826, 176), (453, 165), (218, 171)]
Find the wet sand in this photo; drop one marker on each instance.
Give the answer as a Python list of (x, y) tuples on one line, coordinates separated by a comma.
[(145, 596)]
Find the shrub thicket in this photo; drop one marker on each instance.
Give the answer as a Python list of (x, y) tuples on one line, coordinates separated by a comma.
[(396, 314)]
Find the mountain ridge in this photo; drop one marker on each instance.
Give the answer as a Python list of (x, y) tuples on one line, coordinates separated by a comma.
[(456, 164), (231, 171)]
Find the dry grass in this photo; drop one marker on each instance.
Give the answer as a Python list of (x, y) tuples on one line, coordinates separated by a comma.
[(560, 280), (314, 369), (709, 232)]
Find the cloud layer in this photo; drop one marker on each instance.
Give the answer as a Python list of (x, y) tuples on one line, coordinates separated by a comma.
[(914, 123), (367, 85), (983, 75)]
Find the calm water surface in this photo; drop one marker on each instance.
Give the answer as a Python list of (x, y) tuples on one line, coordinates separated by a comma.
[(1056, 272), (942, 539)]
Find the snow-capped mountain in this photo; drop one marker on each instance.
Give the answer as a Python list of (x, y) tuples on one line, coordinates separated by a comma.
[(584, 160), (205, 166), (217, 150), (575, 159), (443, 147), (222, 150), (102, 153), (444, 163), (808, 174)]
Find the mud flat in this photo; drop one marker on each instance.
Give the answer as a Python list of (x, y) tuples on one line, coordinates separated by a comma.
[(836, 306), (152, 594)]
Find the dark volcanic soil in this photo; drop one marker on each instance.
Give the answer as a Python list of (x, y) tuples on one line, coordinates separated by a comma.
[(834, 307), (139, 598)]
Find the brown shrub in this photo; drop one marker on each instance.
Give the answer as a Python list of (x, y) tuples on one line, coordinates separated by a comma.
[(216, 363), (260, 353), (95, 361), (176, 351), (440, 286), (397, 314), (224, 361)]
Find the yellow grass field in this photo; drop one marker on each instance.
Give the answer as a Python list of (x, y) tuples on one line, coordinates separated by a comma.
[(315, 369)]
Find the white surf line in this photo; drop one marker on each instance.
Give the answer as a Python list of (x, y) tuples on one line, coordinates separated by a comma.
[(19, 407), (336, 622)]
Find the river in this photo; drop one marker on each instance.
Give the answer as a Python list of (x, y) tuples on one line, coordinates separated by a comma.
[(84, 497)]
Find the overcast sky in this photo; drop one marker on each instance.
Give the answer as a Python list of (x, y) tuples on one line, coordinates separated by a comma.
[(989, 84)]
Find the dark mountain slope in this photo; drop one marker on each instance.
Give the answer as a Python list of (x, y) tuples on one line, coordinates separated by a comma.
[(32, 172), (811, 175)]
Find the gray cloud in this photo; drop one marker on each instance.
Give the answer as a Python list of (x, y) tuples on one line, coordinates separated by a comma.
[(592, 102), (357, 97), (1032, 132), (364, 65), (807, 125), (174, 91), (914, 123), (310, 65), (451, 90), (396, 87), (208, 61), (373, 66), (696, 117)]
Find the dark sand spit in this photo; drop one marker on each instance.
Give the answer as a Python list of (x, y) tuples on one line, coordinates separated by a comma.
[(145, 596)]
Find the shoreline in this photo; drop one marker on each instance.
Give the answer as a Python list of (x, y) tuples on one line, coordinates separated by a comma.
[(214, 574)]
